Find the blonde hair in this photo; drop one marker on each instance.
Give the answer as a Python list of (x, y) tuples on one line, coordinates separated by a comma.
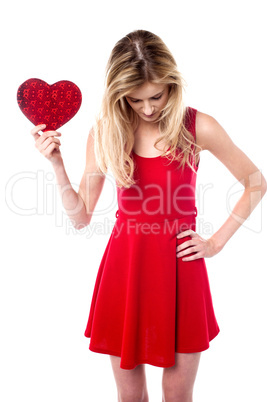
[(139, 57)]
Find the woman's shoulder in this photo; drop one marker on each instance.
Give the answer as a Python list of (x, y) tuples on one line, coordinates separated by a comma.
[(201, 125), (208, 131), (193, 116)]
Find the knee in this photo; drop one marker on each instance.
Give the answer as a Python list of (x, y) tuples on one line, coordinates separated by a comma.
[(133, 396), (177, 398), (172, 394)]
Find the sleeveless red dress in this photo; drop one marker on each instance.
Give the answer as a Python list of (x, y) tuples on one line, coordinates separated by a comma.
[(147, 303)]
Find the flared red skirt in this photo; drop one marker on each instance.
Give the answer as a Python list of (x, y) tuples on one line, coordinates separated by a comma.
[(147, 303)]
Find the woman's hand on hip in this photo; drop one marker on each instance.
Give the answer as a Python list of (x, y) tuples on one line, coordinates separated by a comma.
[(201, 247)]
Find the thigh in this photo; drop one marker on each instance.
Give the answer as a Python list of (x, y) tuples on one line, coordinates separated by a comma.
[(128, 380), (181, 377)]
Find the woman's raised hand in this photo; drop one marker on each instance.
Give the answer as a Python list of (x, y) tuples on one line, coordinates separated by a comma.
[(47, 143)]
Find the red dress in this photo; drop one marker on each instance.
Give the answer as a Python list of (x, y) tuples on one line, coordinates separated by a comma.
[(147, 303)]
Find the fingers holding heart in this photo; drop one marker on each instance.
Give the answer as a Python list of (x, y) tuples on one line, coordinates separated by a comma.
[(47, 142), (36, 129)]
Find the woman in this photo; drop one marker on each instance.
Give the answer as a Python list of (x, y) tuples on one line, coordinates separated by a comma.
[(152, 302)]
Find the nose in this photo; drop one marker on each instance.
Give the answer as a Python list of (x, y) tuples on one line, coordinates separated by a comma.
[(148, 108)]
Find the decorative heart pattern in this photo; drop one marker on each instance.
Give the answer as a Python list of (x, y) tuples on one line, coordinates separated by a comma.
[(53, 105)]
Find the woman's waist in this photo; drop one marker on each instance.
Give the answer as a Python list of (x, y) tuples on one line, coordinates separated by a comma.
[(155, 216)]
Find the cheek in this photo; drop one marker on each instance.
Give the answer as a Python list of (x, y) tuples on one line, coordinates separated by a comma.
[(135, 108), (132, 105), (164, 102)]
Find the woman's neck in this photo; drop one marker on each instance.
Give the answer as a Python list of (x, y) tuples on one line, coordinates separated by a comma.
[(147, 128)]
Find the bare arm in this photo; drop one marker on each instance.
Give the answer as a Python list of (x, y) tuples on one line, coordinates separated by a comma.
[(211, 136), (92, 181), (79, 206)]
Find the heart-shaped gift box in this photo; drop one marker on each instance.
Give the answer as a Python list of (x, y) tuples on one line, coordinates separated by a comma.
[(53, 105)]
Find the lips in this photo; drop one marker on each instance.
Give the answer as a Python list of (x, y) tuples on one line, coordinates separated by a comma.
[(151, 115)]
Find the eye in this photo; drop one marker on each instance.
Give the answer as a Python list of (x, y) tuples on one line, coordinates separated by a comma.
[(137, 100), (157, 97)]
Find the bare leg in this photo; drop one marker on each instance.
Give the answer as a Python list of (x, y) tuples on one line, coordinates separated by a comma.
[(131, 384), (178, 380)]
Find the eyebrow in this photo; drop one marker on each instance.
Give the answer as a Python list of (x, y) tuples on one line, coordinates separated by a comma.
[(150, 97)]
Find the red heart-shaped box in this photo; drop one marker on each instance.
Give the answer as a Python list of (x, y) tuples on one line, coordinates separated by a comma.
[(53, 105)]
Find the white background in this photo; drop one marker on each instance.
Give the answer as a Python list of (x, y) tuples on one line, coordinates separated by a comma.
[(48, 270)]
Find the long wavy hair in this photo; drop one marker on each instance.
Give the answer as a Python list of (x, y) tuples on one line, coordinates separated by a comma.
[(137, 58)]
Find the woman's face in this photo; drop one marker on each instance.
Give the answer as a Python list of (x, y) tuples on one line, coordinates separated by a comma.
[(149, 100)]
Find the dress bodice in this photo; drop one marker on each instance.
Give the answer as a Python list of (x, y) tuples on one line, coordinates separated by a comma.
[(162, 189)]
